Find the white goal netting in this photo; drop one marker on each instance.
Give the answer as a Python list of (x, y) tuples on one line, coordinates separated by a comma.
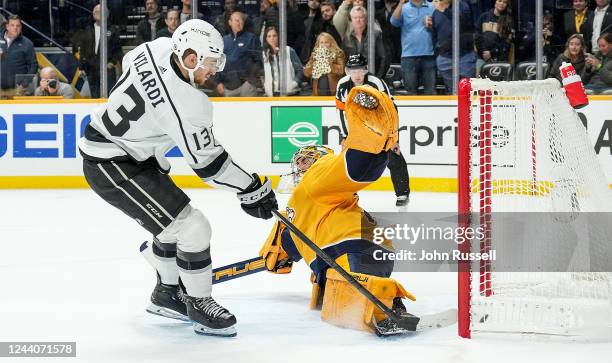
[(528, 153)]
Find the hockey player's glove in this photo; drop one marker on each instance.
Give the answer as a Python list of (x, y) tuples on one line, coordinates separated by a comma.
[(258, 199)]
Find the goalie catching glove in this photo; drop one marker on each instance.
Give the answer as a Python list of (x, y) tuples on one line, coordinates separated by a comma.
[(258, 199), (372, 120)]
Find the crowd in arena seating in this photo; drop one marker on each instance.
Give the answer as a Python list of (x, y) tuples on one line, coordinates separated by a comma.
[(413, 42)]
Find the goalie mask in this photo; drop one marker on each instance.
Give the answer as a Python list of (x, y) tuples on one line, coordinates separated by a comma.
[(304, 158), (204, 40)]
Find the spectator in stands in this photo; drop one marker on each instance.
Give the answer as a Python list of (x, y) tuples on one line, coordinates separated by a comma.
[(325, 66), (357, 41), (495, 32), (575, 54), (321, 22), (86, 47), (2, 22), (391, 34), (186, 11), (413, 17), (601, 82), (442, 28), (243, 66), (314, 7), (153, 22), (17, 57), (553, 42), (574, 21), (269, 17), (271, 66), (51, 86), (342, 18), (172, 22), (598, 23), (222, 20)]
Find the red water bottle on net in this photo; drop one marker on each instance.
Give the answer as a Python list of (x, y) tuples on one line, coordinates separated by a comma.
[(574, 89)]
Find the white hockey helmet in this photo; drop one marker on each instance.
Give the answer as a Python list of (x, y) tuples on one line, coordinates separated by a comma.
[(204, 40)]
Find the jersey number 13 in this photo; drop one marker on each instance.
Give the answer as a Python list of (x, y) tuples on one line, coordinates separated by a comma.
[(120, 128)]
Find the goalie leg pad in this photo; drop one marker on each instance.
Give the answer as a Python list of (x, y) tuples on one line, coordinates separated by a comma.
[(344, 306)]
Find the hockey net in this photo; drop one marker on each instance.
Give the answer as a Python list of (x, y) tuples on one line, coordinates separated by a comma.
[(522, 148)]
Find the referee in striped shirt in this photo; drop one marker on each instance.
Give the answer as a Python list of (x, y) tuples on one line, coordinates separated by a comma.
[(356, 75)]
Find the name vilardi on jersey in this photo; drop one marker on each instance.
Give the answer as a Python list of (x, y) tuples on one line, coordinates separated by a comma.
[(147, 80)]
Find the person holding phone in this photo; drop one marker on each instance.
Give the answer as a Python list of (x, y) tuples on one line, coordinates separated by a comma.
[(51, 86)]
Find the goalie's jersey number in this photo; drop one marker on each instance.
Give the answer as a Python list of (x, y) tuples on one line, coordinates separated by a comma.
[(119, 129)]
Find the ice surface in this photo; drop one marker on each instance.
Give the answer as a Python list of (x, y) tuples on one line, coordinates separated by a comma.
[(70, 270)]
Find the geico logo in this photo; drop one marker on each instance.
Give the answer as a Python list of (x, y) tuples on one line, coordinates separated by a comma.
[(299, 134), (45, 135), (41, 135)]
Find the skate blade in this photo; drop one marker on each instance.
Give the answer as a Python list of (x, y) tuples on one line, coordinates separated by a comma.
[(204, 330), (165, 312)]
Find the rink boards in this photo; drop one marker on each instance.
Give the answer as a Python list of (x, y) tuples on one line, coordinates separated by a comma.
[(38, 139)]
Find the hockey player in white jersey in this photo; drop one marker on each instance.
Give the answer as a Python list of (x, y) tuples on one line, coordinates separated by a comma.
[(153, 107)]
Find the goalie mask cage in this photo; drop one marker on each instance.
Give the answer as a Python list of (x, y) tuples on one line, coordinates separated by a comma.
[(522, 148)]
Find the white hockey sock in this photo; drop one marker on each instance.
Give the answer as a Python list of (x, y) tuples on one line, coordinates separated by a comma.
[(197, 283), (165, 266)]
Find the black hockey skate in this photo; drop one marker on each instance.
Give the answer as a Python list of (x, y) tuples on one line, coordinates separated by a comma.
[(168, 301), (210, 318), (402, 200)]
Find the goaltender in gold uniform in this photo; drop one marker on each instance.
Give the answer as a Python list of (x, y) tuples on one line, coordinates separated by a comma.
[(324, 205)]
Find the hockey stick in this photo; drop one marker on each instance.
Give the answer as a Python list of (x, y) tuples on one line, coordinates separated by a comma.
[(406, 323), (238, 269)]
